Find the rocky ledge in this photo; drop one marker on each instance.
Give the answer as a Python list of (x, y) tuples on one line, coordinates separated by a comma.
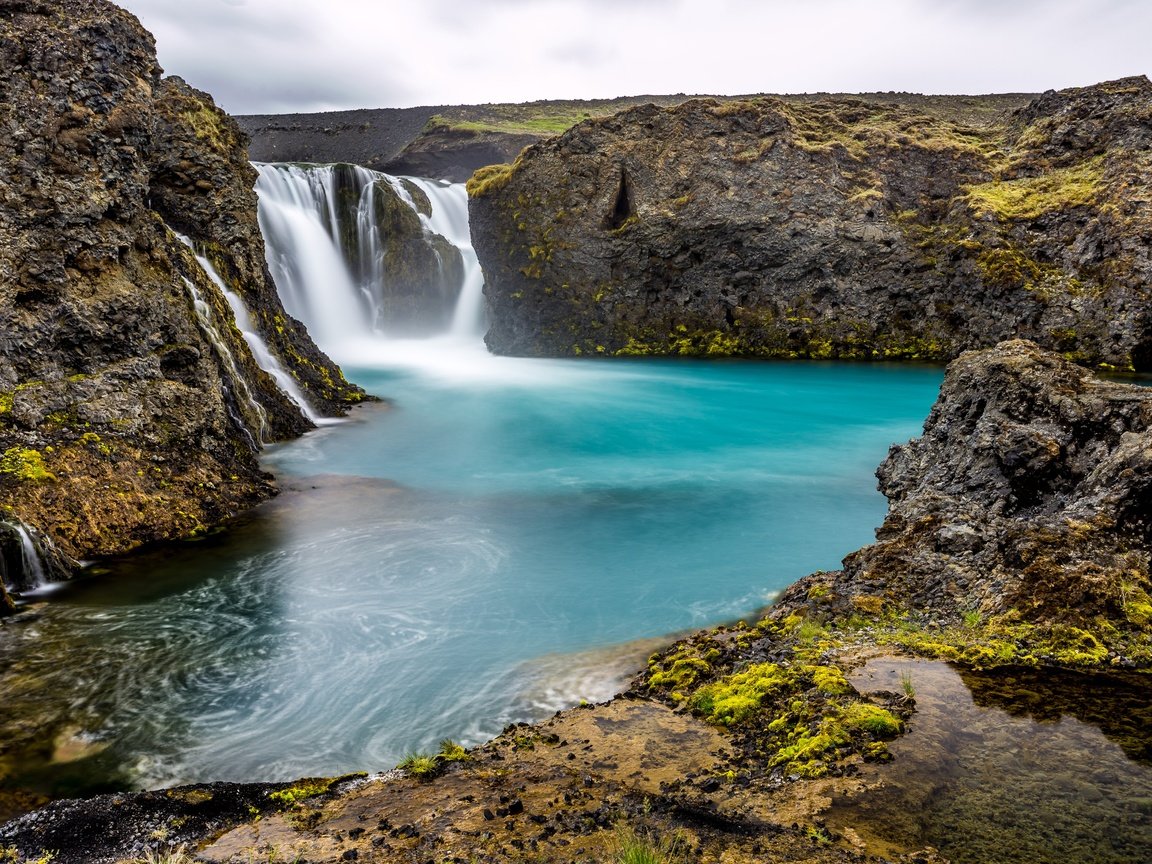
[(1015, 538), (131, 409), (842, 228)]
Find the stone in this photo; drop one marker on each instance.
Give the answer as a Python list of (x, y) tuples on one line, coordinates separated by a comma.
[(1028, 493), (839, 228), (121, 422)]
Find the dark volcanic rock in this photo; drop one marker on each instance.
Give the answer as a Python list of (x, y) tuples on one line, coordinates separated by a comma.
[(454, 154), (124, 418), (828, 229), (1030, 493), (116, 827), (371, 136), (402, 141)]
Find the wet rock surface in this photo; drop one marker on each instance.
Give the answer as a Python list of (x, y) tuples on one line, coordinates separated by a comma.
[(1028, 493), (123, 419), (840, 228)]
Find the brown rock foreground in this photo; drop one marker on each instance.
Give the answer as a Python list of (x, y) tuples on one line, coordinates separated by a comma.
[(736, 744)]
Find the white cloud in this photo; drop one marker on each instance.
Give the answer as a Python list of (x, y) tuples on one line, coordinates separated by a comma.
[(282, 55)]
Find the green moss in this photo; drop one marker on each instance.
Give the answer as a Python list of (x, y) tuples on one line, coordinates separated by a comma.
[(293, 795), (25, 465), (1029, 198), (830, 680), (857, 129), (1005, 640), (678, 671), (208, 124), (736, 697), (489, 180), (876, 721)]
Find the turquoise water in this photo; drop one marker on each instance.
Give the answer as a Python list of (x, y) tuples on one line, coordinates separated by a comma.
[(501, 539)]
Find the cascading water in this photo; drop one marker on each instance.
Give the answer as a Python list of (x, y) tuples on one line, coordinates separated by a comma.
[(330, 256), (482, 555), (211, 331), (261, 353), (33, 568)]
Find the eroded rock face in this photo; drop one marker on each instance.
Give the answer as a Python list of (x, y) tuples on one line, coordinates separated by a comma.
[(830, 229), (1029, 493), (126, 415)]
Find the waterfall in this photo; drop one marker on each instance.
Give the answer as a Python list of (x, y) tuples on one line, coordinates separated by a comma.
[(347, 265), (450, 219), (211, 331), (261, 353), (33, 568)]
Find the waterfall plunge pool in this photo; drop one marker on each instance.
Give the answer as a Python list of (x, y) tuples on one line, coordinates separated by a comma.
[(487, 547)]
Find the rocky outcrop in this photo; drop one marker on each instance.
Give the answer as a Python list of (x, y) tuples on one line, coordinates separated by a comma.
[(1028, 495), (840, 228), (131, 409)]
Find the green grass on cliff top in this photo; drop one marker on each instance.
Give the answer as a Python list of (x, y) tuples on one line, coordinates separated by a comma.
[(554, 116)]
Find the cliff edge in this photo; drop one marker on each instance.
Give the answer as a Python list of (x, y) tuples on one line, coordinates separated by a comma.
[(131, 408), (832, 229)]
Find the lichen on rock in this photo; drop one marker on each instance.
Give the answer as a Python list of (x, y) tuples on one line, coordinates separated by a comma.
[(1018, 524), (839, 228), (120, 422)]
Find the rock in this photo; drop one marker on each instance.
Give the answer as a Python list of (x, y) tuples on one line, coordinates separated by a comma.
[(838, 228), (1028, 494), (114, 827), (124, 419)]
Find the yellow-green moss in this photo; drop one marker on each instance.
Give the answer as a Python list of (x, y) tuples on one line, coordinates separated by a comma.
[(680, 670), (830, 680), (25, 465), (735, 697), (489, 179), (1004, 640), (1031, 197), (305, 789), (876, 721), (208, 124)]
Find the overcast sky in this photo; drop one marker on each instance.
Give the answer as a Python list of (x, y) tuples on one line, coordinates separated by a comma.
[(272, 56)]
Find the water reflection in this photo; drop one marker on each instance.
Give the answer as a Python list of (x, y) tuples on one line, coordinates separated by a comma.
[(1006, 767)]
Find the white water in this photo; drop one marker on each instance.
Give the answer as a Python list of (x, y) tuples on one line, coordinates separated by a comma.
[(261, 353), (334, 289), (211, 331), (479, 555), (32, 564)]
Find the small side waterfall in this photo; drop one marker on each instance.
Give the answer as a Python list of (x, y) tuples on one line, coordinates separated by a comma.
[(33, 568), (363, 258), (29, 562), (261, 353), (240, 390)]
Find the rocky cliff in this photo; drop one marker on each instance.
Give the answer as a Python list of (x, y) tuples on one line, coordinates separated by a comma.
[(131, 409), (1026, 500), (838, 228)]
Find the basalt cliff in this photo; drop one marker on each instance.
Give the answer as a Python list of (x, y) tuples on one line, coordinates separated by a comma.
[(131, 408), (842, 228)]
